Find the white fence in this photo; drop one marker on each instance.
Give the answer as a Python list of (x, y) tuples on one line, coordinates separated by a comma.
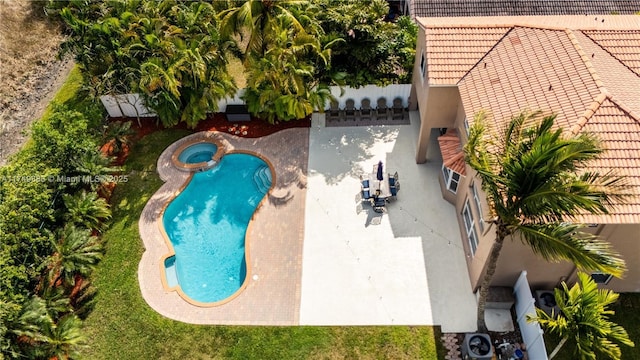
[(132, 105), (125, 105), (372, 92), (531, 332)]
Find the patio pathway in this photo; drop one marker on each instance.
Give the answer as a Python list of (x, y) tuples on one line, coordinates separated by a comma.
[(406, 266)]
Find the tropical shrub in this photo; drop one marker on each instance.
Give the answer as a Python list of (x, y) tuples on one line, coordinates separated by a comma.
[(170, 51)]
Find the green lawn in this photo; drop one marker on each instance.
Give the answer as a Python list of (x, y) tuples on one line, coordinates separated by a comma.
[(627, 315), (122, 326)]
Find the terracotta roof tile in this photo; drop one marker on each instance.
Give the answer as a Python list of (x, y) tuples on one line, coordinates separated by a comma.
[(451, 149), (621, 44), (620, 134), (452, 52), (587, 75), (527, 76), (435, 8)]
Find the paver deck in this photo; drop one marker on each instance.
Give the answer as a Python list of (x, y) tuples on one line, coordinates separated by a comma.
[(275, 236)]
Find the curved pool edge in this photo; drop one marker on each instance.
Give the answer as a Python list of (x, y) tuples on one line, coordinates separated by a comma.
[(277, 286), (168, 172), (191, 167)]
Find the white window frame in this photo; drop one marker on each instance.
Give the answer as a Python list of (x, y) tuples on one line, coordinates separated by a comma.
[(478, 204), (466, 125), (448, 176), (607, 279), (469, 225), (423, 66)]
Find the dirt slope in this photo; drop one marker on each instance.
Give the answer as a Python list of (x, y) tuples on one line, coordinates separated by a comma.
[(29, 70)]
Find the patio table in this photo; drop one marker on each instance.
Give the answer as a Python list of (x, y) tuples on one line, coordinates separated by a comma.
[(375, 184)]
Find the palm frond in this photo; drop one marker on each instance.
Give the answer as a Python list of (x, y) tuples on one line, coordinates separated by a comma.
[(564, 241)]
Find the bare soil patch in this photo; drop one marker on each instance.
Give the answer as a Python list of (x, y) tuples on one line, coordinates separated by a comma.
[(30, 72)]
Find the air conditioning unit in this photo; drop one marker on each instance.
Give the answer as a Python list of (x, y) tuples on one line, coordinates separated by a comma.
[(477, 347), (546, 301)]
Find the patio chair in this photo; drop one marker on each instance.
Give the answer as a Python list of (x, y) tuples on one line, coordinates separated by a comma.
[(334, 111), (379, 204), (394, 192), (365, 109), (366, 194), (350, 110), (382, 110), (365, 183), (397, 110)]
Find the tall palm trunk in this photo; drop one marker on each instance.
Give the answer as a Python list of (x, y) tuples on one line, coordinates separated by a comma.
[(558, 347), (492, 263)]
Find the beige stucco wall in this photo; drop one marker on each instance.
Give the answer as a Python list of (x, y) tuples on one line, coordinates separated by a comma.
[(515, 256), (625, 239), (437, 105)]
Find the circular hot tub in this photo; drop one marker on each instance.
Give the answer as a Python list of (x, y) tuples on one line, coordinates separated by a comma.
[(197, 156)]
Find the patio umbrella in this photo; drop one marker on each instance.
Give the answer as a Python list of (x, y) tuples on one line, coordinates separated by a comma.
[(379, 175)]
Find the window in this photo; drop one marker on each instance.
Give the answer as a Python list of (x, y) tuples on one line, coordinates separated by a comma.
[(466, 126), (476, 200), (423, 66), (470, 227), (451, 179), (601, 278)]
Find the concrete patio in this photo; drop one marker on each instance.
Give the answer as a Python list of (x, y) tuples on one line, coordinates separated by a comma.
[(406, 266)]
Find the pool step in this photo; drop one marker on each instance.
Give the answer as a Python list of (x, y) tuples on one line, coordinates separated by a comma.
[(262, 178)]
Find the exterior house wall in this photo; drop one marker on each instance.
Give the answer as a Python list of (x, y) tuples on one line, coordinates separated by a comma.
[(542, 274), (625, 239), (437, 105)]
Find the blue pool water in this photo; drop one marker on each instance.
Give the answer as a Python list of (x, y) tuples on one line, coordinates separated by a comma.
[(198, 153), (207, 223)]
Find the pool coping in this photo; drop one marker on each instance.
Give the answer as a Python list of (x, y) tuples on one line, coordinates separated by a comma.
[(267, 299)]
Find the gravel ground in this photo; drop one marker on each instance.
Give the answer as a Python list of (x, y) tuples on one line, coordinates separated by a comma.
[(30, 73)]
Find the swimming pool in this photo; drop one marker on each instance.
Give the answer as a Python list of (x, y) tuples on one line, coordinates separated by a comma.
[(207, 224)]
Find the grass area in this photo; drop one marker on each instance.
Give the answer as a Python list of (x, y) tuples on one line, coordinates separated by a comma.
[(627, 315), (122, 326)]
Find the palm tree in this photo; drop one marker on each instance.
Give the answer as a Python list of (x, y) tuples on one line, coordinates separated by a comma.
[(259, 19), (76, 252), (119, 134), (282, 84), (535, 181), (44, 338), (93, 167), (584, 319), (86, 209)]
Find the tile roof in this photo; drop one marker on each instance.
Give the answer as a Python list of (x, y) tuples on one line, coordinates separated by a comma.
[(620, 135), (446, 8), (451, 149), (451, 52), (621, 44), (586, 74)]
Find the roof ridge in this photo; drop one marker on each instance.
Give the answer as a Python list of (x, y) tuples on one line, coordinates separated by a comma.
[(588, 113), (624, 107), (584, 32), (587, 62), (486, 53)]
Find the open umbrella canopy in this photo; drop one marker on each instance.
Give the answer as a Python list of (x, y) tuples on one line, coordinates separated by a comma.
[(380, 173)]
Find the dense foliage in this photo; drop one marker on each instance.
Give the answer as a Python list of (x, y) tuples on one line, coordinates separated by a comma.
[(584, 321), (170, 51), (49, 212), (175, 52), (371, 50)]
